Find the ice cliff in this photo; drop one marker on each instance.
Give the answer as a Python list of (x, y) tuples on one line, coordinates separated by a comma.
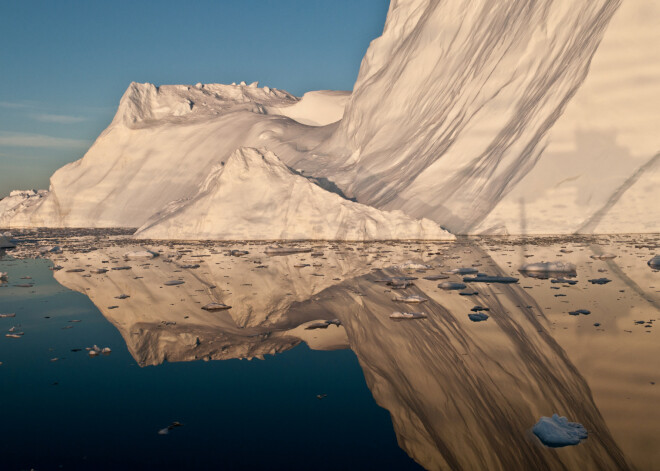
[(484, 116)]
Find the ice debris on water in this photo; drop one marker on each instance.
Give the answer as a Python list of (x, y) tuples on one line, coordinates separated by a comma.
[(605, 256), (215, 307), (174, 282), (481, 278), (577, 312), (2, 316), (96, 350), (463, 271), (548, 267), (599, 281), (140, 255), (172, 426), (654, 262), (557, 431), (448, 285), (4, 276), (413, 299), (407, 315), (478, 317), (6, 243)]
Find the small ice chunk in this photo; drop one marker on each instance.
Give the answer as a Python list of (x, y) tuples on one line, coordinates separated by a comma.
[(654, 262), (605, 256), (140, 255), (215, 307), (407, 315), (4, 276), (557, 431), (599, 281), (413, 299), (174, 282), (577, 312), (478, 317), (549, 267), (463, 271), (489, 279), (448, 285), (6, 243), (413, 266)]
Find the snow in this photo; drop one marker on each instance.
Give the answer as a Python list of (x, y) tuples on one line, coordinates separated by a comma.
[(255, 196), (317, 108), (486, 118), (557, 431)]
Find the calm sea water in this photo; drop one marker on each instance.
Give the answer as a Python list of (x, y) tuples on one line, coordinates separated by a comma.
[(306, 370), (104, 413)]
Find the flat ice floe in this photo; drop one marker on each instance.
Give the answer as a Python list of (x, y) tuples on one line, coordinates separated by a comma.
[(557, 431)]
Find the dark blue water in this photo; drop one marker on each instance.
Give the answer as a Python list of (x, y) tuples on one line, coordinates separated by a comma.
[(82, 413)]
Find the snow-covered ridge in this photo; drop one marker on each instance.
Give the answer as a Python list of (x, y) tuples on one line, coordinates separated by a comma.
[(255, 196), (145, 103)]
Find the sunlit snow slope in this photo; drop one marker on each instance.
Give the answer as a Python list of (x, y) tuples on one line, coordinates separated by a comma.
[(255, 196)]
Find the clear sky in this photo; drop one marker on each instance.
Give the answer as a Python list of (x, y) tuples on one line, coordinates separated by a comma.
[(65, 64)]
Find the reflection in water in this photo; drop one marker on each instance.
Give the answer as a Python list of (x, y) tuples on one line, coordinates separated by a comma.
[(461, 394)]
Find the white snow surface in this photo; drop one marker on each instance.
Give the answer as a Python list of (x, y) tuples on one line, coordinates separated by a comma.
[(317, 108), (255, 196), (485, 117)]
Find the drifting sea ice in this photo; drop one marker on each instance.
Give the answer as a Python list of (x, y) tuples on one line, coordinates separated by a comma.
[(557, 431), (654, 262), (549, 267)]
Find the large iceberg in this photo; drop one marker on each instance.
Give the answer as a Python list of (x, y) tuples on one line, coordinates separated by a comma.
[(485, 117)]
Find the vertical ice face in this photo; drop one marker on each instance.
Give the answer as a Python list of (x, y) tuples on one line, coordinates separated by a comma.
[(453, 103)]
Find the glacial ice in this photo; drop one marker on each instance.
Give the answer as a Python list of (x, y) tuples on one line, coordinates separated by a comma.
[(485, 118)]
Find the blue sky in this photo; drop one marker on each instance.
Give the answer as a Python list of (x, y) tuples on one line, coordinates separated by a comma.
[(65, 64)]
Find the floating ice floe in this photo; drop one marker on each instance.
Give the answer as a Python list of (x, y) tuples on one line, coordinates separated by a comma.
[(605, 256), (654, 262), (96, 350), (174, 282), (6, 243), (557, 431), (449, 285), (413, 299), (599, 281), (3, 316), (279, 250), (436, 277), (140, 255), (53, 249), (577, 312), (172, 426), (99, 271), (546, 268), (414, 266), (407, 315), (237, 253), (216, 307), (463, 271), (478, 317), (481, 278), (4, 276)]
